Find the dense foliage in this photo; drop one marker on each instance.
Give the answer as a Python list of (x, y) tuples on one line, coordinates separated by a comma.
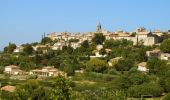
[(88, 78), (99, 38), (10, 48), (165, 46)]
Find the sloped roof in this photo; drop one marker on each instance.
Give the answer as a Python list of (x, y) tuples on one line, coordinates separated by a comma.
[(143, 64), (8, 88)]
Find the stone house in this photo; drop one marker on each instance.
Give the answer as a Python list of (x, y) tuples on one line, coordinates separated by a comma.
[(142, 67), (13, 70), (165, 56), (48, 71), (153, 53)]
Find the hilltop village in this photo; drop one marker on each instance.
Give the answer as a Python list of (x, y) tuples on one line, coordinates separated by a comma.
[(88, 66), (140, 36)]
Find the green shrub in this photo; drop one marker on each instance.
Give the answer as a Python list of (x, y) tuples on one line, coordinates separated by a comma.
[(153, 89), (167, 97)]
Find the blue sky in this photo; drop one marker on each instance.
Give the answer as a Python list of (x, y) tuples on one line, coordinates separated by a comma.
[(23, 21)]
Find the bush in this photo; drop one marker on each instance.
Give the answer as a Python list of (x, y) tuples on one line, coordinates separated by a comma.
[(153, 89), (137, 78), (124, 65), (104, 94), (167, 85), (96, 65), (112, 72), (165, 46), (167, 97)]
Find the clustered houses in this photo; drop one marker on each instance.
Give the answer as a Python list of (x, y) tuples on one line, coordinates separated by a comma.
[(154, 53), (150, 54), (48, 71), (140, 36), (158, 54)]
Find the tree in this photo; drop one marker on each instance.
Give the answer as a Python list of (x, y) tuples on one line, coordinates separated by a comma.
[(102, 51), (156, 65), (167, 84), (85, 44), (28, 49), (96, 65), (26, 66), (137, 78), (5, 95), (44, 62), (31, 90), (74, 40), (10, 48), (99, 38), (1, 69), (34, 43), (55, 61), (133, 34), (165, 46), (46, 40), (69, 64), (164, 36), (152, 89), (67, 49), (112, 43), (142, 54), (166, 97), (61, 89), (125, 42), (121, 83), (124, 65), (102, 94), (117, 43), (69, 69), (37, 58)]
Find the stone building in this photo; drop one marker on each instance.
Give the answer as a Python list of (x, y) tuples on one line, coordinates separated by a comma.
[(141, 36), (13, 70), (47, 72)]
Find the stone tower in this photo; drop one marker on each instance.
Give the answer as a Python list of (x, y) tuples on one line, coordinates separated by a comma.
[(99, 28)]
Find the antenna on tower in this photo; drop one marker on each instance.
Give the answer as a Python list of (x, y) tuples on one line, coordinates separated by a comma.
[(150, 31), (42, 38), (44, 34)]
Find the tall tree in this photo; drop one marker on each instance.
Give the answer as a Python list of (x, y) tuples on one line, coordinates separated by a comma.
[(96, 65), (85, 44), (31, 90), (124, 65), (10, 48), (99, 38), (61, 89), (155, 65), (165, 46), (28, 49), (46, 40)]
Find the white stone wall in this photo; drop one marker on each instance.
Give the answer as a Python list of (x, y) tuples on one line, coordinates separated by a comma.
[(8, 69), (149, 41)]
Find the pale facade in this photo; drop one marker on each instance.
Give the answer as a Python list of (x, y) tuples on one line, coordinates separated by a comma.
[(142, 67), (47, 72), (18, 49), (142, 36), (13, 70), (165, 56), (153, 53)]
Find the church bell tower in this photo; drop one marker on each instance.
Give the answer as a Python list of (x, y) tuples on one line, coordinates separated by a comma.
[(99, 28)]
